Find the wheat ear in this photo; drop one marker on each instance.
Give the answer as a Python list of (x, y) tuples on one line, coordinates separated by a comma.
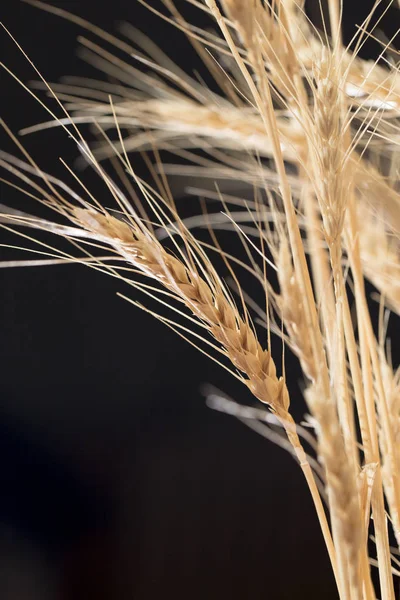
[(206, 299)]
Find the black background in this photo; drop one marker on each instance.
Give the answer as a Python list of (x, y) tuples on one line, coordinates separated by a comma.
[(116, 480)]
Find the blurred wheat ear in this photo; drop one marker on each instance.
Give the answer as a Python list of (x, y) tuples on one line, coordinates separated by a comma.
[(311, 128)]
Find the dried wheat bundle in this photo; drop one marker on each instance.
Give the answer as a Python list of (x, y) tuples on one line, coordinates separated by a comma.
[(313, 129)]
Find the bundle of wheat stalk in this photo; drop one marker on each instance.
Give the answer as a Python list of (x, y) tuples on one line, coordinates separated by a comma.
[(312, 129)]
